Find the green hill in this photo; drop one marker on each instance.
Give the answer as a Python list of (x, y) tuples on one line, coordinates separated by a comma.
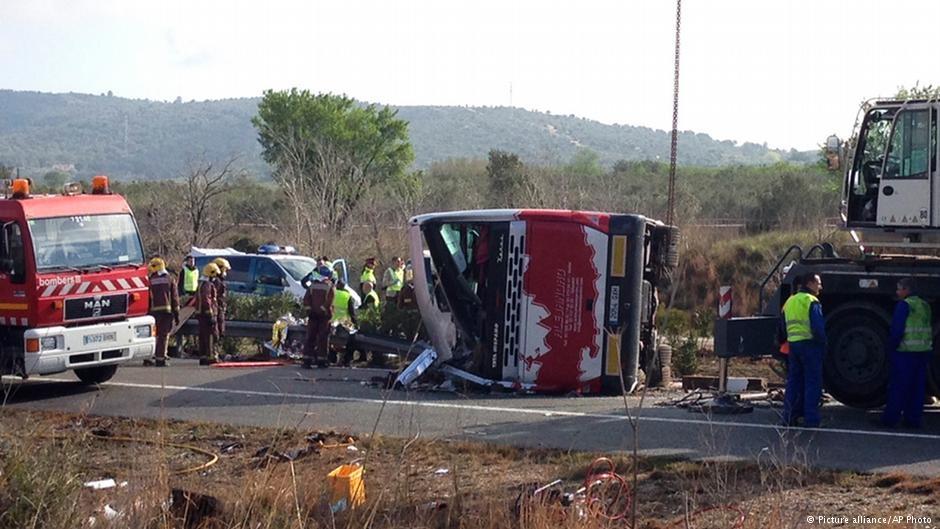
[(130, 138)]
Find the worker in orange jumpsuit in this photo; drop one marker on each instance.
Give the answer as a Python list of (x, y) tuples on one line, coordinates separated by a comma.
[(164, 307), (220, 290), (319, 304), (205, 312)]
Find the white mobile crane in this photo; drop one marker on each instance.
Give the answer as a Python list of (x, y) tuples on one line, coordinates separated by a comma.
[(890, 203)]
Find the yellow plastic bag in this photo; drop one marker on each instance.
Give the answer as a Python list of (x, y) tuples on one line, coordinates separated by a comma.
[(347, 490)]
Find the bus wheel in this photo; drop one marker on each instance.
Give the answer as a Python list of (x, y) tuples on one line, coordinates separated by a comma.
[(855, 369), (96, 375)]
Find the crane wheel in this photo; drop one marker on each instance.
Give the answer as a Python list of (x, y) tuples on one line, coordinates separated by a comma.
[(855, 368), (933, 369)]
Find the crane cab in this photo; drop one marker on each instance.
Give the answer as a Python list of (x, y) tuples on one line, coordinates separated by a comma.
[(891, 191)]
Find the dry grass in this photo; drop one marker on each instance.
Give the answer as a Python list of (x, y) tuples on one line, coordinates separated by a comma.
[(46, 457)]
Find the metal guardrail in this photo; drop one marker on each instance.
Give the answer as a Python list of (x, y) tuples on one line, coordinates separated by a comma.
[(261, 330)]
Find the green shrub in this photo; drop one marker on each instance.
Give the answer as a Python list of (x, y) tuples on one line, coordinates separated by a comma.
[(261, 308), (389, 320), (685, 357)]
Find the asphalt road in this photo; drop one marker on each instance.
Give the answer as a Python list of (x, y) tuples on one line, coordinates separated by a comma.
[(337, 399)]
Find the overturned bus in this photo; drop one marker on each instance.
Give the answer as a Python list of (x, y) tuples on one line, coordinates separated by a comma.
[(549, 300)]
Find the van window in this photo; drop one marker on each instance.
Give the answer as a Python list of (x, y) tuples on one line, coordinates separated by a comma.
[(268, 273), (241, 270)]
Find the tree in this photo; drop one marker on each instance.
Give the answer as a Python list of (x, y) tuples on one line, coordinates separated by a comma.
[(510, 184), (54, 180), (918, 92), (207, 185), (585, 163), (328, 152)]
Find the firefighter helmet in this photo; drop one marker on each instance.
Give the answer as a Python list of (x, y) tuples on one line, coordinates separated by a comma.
[(222, 263), (156, 265), (211, 270)]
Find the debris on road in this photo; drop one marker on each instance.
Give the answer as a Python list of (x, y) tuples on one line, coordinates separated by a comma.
[(194, 509), (347, 489), (102, 484)]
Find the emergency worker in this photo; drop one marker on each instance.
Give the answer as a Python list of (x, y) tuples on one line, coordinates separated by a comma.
[(805, 330), (368, 273), (394, 279), (910, 343), (407, 298), (188, 281), (344, 321), (370, 298), (220, 293), (206, 314), (319, 304), (164, 307)]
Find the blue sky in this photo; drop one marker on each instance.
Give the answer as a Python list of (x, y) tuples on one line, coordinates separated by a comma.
[(783, 72)]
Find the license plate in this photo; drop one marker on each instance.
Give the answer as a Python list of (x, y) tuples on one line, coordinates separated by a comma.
[(100, 338), (614, 308)]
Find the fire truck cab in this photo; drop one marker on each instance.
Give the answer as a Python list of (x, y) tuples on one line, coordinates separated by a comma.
[(73, 283), (551, 300)]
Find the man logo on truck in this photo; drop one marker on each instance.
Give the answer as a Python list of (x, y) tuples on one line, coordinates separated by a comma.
[(96, 305)]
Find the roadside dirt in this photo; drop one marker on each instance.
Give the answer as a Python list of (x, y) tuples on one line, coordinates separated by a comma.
[(411, 483)]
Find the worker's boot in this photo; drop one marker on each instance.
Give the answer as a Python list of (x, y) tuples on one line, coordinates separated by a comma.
[(160, 362)]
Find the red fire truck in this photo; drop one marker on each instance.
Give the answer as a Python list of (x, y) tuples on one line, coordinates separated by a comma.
[(73, 283), (551, 300)]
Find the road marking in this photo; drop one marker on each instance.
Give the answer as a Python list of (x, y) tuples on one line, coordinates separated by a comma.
[(520, 411)]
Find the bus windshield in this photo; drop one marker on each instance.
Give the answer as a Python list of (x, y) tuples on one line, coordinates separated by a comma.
[(458, 251), (86, 241)]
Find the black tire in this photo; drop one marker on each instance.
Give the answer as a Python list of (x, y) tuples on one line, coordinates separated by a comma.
[(96, 375), (855, 369), (933, 369)]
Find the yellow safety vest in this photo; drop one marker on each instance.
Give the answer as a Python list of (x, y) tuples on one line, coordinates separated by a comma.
[(368, 274), (341, 306), (796, 312), (398, 280), (190, 280), (918, 332), (373, 296)]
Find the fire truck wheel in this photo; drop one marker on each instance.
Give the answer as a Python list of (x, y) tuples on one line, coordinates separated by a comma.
[(855, 368), (96, 375)]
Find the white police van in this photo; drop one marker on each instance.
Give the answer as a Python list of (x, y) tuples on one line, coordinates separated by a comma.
[(273, 270)]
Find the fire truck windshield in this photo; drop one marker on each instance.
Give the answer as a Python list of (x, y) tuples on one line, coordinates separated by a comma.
[(85, 241)]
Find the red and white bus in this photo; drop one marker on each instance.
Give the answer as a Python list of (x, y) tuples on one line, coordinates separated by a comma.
[(553, 300)]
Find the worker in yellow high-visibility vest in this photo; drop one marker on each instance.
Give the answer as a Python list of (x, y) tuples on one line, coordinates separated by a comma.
[(805, 330), (344, 321), (910, 343), (394, 279), (188, 280), (368, 272)]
